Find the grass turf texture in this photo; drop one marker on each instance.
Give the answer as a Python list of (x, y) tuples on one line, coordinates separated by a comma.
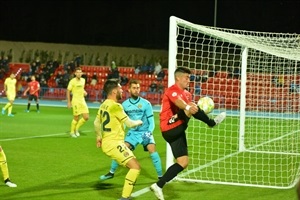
[(47, 164)]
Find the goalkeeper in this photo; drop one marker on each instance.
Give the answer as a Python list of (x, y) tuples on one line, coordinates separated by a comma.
[(136, 108)]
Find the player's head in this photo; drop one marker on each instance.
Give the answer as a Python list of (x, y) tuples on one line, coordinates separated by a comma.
[(113, 89), (134, 88), (33, 78), (182, 77), (78, 72), (12, 76)]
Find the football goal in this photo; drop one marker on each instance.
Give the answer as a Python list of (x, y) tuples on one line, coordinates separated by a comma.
[(254, 77)]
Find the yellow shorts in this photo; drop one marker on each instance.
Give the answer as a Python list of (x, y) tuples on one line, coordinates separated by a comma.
[(11, 96), (79, 107), (118, 151)]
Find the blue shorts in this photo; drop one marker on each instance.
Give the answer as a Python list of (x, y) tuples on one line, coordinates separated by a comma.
[(135, 138)]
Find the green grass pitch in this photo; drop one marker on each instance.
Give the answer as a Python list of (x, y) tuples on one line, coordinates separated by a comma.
[(47, 164)]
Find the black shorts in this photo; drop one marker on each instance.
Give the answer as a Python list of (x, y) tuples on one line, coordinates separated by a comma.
[(32, 97), (177, 139)]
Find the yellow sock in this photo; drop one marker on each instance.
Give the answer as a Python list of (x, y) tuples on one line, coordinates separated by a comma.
[(129, 183), (9, 110), (3, 165), (73, 126), (80, 123), (6, 106)]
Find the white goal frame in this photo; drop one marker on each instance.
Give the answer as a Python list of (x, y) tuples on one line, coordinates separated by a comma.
[(250, 48)]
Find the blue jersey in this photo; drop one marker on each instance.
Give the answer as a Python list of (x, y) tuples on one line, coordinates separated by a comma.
[(140, 108)]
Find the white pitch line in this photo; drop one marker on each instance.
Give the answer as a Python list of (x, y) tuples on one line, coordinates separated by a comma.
[(31, 137)]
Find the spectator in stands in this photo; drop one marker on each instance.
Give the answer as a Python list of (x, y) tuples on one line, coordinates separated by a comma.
[(160, 87), (280, 81), (137, 69), (44, 87), (153, 87), (114, 74), (204, 76), (192, 77), (123, 80), (59, 79), (236, 72), (274, 80), (4, 65), (197, 88), (33, 68), (77, 62), (161, 75), (94, 79), (113, 66), (157, 68), (150, 69)]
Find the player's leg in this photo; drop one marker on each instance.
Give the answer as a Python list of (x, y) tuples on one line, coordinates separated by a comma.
[(29, 103), (113, 167), (9, 110), (84, 111), (177, 140), (4, 169), (114, 164), (36, 99), (125, 157), (151, 147), (73, 125)]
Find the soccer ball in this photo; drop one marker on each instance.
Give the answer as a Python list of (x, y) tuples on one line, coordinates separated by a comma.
[(206, 104)]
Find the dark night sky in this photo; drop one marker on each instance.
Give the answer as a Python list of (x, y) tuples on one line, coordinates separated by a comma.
[(140, 23)]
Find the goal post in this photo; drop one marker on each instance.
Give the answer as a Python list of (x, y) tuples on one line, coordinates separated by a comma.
[(255, 78)]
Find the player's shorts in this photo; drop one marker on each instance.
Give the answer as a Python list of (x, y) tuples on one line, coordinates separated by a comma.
[(11, 96), (32, 97), (118, 151), (177, 139), (79, 107), (135, 138)]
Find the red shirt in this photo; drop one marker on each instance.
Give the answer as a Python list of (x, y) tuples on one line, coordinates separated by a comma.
[(34, 88), (168, 108)]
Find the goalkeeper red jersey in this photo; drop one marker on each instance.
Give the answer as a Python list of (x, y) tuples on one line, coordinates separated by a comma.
[(169, 109)]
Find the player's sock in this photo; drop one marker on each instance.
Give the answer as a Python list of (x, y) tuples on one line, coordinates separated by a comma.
[(6, 106), (202, 116), (28, 106), (157, 163), (129, 183), (37, 107), (80, 123), (9, 110), (114, 166), (73, 126), (170, 174), (3, 165)]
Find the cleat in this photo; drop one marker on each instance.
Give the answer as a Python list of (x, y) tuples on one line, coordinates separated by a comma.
[(3, 111), (38, 111), (10, 115), (220, 117), (109, 175), (27, 111), (73, 135), (10, 184), (157, 191), (77, 133)]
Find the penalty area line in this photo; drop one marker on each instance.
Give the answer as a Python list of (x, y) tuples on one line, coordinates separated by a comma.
[(140, 192), (39, 136)]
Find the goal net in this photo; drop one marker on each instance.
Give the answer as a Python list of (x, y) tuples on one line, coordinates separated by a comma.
[(254, 77)]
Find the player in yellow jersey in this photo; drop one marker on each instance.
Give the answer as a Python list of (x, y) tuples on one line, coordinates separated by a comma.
[(109, 128), (10, 90), (78, 103), (4, 169)]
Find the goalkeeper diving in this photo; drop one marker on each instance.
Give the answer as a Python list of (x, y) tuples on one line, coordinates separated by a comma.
[(138, 108)]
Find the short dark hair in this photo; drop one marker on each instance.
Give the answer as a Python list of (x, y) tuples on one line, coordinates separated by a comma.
[(183, 70), (109, 85), (134, 81)]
